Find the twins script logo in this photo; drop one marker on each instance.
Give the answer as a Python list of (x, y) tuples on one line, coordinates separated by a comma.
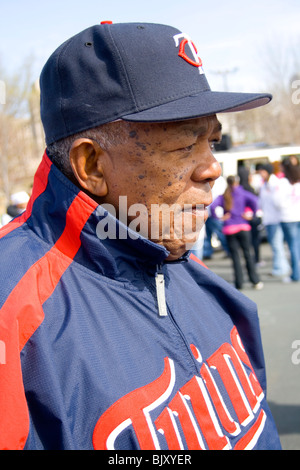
[(197, 417), (187, 42)]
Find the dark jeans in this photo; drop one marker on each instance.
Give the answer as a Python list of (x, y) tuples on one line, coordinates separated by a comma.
[(235, 242), (213, 225), (255, 236)]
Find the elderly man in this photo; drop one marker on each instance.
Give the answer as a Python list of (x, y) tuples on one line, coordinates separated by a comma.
[(112, 335)]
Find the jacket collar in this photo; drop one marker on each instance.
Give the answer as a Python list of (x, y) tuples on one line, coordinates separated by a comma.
[(50, 209)]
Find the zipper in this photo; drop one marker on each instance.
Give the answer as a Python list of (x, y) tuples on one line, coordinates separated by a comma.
[(160, 292), (163, 311), (160, 287)]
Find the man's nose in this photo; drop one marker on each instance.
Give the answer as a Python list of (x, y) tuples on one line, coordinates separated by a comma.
[(208, 168)]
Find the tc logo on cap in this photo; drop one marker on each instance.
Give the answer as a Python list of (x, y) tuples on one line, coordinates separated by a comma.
[(186, 41)]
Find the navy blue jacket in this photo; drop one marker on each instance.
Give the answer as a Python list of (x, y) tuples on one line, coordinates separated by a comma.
[(88, 360)]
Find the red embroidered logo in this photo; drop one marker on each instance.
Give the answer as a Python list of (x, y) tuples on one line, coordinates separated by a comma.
[(187, 42), (197, 413)]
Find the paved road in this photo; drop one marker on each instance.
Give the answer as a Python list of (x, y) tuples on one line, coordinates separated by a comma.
[(279, 314)]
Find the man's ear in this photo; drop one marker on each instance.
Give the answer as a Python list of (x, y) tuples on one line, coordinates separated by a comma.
[(86, 158)]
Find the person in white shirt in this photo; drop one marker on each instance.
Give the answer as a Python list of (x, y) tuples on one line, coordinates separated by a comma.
[(268, 199), (288, 203)]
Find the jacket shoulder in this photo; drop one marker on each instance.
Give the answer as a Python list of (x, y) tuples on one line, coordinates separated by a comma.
[(19, 250)]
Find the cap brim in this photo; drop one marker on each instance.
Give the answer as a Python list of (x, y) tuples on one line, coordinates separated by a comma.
[(203, 104)]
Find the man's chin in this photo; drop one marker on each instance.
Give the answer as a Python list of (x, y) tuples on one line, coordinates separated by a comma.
[(177, 248)]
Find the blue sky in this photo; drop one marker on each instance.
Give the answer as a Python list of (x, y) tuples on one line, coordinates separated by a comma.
[(229, 34)]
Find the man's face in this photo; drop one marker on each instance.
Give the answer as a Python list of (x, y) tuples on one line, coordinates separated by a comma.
[(170, 164)]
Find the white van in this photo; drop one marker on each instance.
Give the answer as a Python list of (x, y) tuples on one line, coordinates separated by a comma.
[(251, 155)]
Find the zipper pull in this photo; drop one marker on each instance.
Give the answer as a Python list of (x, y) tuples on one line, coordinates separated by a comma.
[(160, 293)]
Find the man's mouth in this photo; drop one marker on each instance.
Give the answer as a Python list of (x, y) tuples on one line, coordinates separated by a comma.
[(198, 210)]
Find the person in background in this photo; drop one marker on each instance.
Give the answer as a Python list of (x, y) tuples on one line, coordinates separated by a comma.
[(288, 202), (277, 168), (256, 179), (293, 159), (213, 224), (255, 221), (268, 197), (235, 201), (18, 205)]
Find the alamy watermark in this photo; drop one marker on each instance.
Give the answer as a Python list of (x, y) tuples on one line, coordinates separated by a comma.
[(296, 354), (2, 352), (295, 358), (158, 222), (296, 93), (2, 92)]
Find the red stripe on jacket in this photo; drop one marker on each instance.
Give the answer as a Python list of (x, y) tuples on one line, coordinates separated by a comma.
[(22, 314), (199, 261)]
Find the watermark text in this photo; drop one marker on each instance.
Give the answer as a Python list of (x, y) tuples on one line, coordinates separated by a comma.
[(157, 222), (2, 352), (296, 353), (2, 92), (296, 93)]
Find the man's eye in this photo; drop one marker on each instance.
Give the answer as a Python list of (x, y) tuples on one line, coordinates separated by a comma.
[(187, 149)]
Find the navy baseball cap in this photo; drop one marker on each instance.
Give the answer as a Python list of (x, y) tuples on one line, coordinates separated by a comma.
[(138, 72)]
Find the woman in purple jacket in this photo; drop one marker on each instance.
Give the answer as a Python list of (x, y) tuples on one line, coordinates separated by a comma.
[(238, 205)]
